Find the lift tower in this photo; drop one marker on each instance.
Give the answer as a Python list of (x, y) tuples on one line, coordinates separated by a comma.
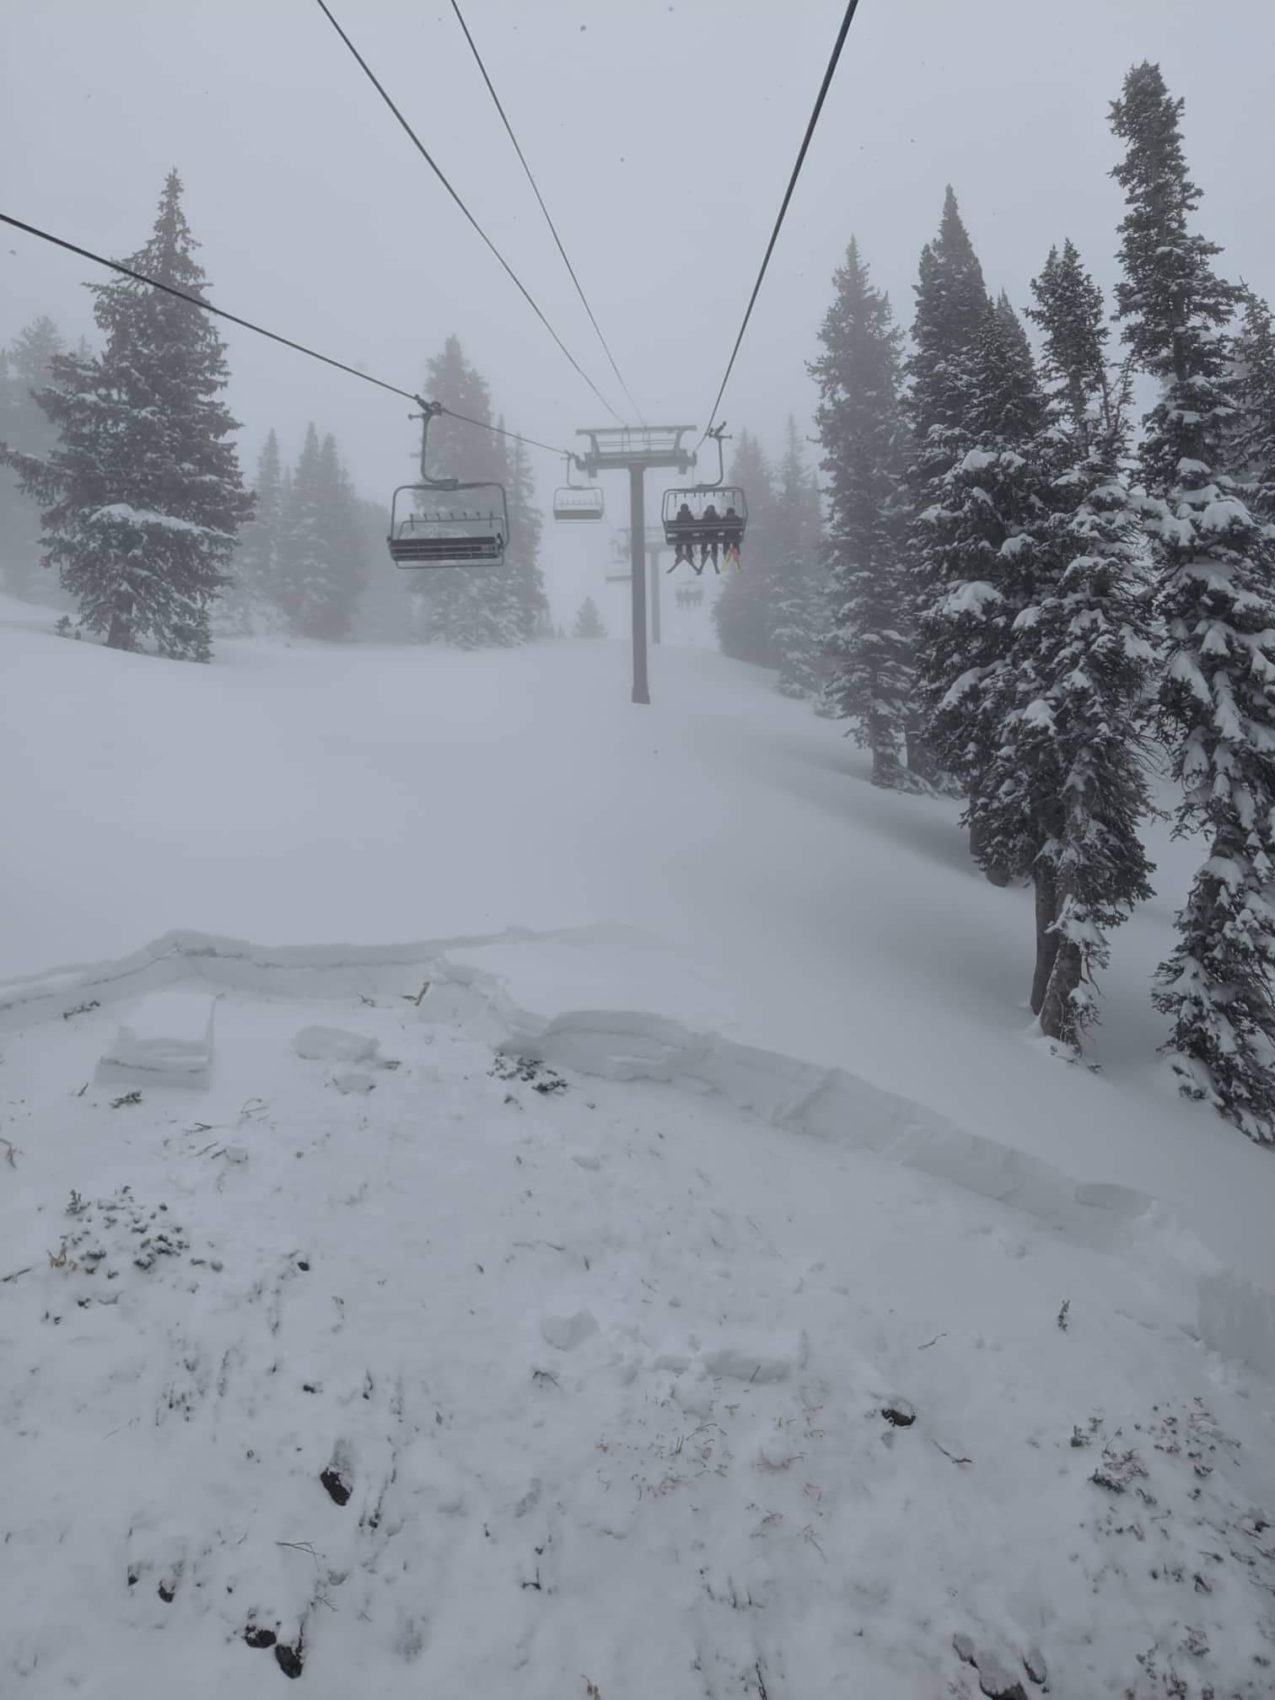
[(632, 449)]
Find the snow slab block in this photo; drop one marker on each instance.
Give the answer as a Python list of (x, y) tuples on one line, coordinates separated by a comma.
[(334, 1044), (167, 1040)]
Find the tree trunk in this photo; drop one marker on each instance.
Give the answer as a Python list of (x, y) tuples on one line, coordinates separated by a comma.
[(887, 772), (1058, 1013), (120, 635), (920, 757), (978, 840), (1047, 942)]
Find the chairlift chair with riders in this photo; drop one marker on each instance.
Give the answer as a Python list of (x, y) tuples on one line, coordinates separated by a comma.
[(577, 501), (708, 517), (447, 522)]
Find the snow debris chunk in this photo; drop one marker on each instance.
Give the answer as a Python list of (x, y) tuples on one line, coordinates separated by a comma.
[(996, 1682), (737, 1363), (334, 1044), (900, 1412), (353, 1080), (695, 1398), (167, 1040), (776, 1452), (567, 1332)]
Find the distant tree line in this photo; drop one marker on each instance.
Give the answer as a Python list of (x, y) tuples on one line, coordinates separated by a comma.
[(1029, 602)]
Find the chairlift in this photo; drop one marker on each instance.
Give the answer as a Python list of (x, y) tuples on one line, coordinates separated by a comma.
[(577, 501), (710, 517), (447, 522), (690, 595)]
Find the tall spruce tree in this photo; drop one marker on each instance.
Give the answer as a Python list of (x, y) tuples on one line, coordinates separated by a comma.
[(948, 336), (746, 611), (1214, 595), (322, 566), (25, 426), (256, 563), (1066, 773), (800, 604), (869, 594), (526, 601), (145, 491), (980, 553), (305, 581)]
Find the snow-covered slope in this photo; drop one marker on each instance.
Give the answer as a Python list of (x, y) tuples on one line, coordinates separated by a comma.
[(690, 1280), (308, 794)]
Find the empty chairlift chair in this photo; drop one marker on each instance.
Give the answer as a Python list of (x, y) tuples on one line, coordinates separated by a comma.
[(465, 526), (447, 522), (578, 502)]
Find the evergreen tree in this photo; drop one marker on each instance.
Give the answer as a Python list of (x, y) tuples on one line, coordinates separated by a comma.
[(28, 367), (746, 612), (1067, 769), (257, 560), (588, 621), (981, 552), (868, 614), (800, 601), (948, 336), (145, 491), (1216, 567), (322, 567), (305, 582), (528, 604), (1250, 450)]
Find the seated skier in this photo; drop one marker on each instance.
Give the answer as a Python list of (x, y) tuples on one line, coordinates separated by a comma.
[(711, 538), (732, 533), (684, 538)]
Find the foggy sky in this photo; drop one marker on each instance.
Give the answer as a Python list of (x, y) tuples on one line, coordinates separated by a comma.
[(662, 135)]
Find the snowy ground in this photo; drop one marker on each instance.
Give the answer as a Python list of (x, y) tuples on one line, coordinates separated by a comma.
[(597, 1374), (601, 1366), (297, 795)]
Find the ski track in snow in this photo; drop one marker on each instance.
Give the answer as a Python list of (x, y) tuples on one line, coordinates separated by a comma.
[(602, 1370)]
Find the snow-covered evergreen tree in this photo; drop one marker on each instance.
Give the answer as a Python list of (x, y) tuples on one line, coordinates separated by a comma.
[(980, 552), (526, 602), (1067, 771), (948, 335), (1215, 596), (256, 563), (588, 623), (144, 488), (322, 565), (800, 602), (868, 599), (304, 580), (746, 611), (28, 367), (1250, 446)]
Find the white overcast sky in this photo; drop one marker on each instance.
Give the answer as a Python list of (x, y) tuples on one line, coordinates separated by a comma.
[(662, 135)]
